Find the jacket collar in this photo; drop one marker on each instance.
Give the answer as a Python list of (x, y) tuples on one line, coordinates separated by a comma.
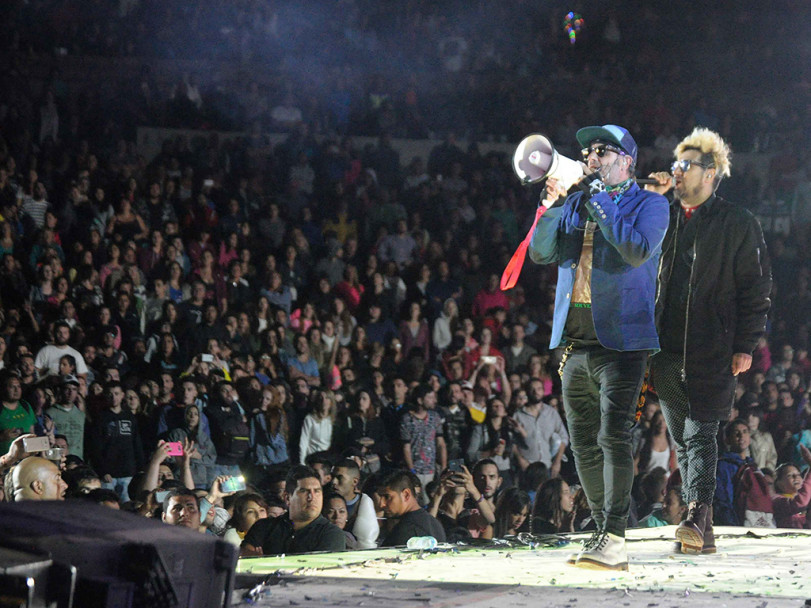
[(704, 209)]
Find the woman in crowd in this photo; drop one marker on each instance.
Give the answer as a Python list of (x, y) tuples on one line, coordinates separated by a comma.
[(446, 325), (414, 333), (212, 278), (7, 239), (59, 294), (344, 321), (113, 264), (179, 290), (334, 509), (44, 287), (363, 429), (262, 314), (350, 289), (485, 348), (344, 358), (793, 499), (761, 442), (316, 432), (359, 345), (247, 338), (269, 430), (126, 224), (552, 512), (539, 368), (228, 250), (512, 510), (248, 508), (657, 449), (203, 456), (490, 377), (302, 319)]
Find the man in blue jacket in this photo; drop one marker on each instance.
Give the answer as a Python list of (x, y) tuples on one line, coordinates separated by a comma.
[(606, 241)]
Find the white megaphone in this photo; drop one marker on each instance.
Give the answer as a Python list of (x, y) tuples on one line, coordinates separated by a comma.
[(536, 159)]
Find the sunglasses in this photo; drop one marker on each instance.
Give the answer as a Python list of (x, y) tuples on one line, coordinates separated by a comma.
[(600, 150), (684, 165)]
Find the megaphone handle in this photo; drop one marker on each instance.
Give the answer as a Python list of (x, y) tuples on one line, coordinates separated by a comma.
[(513, 270)]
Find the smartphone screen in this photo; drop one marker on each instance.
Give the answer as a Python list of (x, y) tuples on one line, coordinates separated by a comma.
[(36, 444), (455, 465)]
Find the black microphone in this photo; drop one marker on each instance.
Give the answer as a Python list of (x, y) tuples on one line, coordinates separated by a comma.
[(647, 182)]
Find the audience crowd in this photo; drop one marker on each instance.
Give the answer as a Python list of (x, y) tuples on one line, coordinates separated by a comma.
[(312, 311)]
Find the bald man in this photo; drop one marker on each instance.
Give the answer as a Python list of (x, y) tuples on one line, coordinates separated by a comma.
[(38, 479)]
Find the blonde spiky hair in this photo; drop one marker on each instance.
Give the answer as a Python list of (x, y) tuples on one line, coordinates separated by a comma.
[(713, 150)]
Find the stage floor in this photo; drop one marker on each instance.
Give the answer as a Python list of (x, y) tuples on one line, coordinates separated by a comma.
[(753, 567)]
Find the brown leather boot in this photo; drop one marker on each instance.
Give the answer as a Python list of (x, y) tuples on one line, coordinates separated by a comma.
[(709, 535), (691, 531)]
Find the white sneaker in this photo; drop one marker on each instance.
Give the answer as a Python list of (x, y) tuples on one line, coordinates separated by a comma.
[(607, 553), (585, 545)]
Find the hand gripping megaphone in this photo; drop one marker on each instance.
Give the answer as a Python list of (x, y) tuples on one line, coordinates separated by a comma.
[(536, 159)]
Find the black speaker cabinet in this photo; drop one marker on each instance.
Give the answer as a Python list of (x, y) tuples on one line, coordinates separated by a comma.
[(33, 580), (119, 559)]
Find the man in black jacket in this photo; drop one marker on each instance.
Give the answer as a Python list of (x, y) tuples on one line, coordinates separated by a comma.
[(714, 285), (229, 431), (302, 529), (398, 499), (115, 446)]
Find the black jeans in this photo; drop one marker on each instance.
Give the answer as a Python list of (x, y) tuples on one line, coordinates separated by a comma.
[(600, 394)]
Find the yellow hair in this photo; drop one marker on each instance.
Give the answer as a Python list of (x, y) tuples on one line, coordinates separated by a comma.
[(708, 142)]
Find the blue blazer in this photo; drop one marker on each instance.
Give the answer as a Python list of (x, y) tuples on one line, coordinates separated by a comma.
[(627, 246)]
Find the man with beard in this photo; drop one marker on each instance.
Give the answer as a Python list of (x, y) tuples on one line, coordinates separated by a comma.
[(47, 360), (714, 286), (606, 241)]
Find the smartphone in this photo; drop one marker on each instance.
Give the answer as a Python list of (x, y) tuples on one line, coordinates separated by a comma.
[(207, 358), (455, 465), (489, 360), (36, 444), (161, 495), (233, 484), (175, 448)]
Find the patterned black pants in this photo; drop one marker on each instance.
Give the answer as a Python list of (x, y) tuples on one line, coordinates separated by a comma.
[(696, 446)]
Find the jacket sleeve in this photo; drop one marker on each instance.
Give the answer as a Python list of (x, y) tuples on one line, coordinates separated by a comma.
[(753, 284), (381, 446), (252, 433), (476, 444), (333, 539), (206, 449), (304, 441), (638, 240), (723, 505), (543, 247), (560, 429)]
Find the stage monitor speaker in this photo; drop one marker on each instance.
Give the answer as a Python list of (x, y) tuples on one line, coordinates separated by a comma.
[(122, 559), (33, 580)]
